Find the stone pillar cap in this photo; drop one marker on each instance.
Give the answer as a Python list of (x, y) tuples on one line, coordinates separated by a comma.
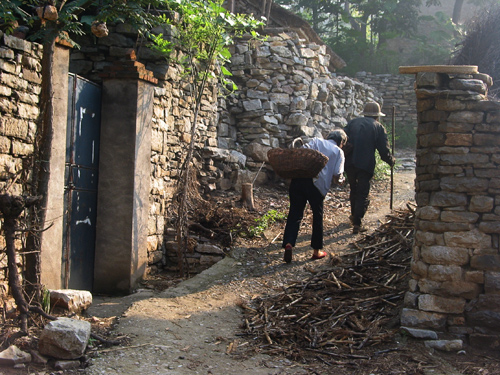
[(450, 69)]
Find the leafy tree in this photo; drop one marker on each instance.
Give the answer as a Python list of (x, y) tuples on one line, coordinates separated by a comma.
[(362, 31), (203, 32)]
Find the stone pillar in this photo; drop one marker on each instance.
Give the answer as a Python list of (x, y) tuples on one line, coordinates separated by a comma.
[(455, 287), (124, 177), (57, 119)]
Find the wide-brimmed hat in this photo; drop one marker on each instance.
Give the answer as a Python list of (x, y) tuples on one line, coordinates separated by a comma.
[(372, 109)]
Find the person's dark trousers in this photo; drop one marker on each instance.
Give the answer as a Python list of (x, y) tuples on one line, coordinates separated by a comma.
[(301, 191), (359, 183)]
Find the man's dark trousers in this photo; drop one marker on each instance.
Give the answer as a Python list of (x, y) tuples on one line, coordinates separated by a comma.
[(302, 190), (359, 181)]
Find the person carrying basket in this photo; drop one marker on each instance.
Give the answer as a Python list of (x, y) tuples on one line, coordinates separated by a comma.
[(314, 190)]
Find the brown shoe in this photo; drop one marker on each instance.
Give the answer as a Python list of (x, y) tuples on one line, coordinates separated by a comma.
[(358, 229)]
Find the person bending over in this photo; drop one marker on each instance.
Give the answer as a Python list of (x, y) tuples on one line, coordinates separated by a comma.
[(314, 190)]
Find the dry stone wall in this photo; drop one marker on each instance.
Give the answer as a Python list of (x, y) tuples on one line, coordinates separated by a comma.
[(455, 290), (398, 92), (285, 91), (20, 86)]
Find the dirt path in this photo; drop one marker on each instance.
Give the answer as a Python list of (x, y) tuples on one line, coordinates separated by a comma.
[(195, 327), (189, 329)]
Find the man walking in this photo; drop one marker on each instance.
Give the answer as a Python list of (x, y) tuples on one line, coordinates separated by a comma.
[(314, 190), (366, 135)]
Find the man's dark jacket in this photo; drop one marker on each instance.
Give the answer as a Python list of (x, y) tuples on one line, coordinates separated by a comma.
[(367, 135)]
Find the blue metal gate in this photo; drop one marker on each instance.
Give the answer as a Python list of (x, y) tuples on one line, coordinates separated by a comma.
[(80, 187)]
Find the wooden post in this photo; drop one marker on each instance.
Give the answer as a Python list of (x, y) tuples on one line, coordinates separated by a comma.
[(247, 196)]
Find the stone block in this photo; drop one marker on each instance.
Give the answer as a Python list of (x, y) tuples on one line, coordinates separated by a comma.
[(428, 238), (440, 304), (492, 282), (64, 338), (445, 345), (486, 139), (466, 116), (419, 268), (489, 227), (450, 105), (431, 140), (13, 356), (71, 300), (458, 139), (448, 199), (423, 319), (481, 203), (427, 286), (474, 277), (463, 184), (428, 213), (428, 79), (441, 273), (441, 227), (445, 255), (469, 239), (459, 288), (459, 217)]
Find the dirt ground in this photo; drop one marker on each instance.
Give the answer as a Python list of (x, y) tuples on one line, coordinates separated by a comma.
[(196, 326)]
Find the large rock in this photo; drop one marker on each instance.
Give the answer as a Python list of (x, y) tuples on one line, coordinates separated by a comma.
[(70, 299), (64, 338), (13, 356)]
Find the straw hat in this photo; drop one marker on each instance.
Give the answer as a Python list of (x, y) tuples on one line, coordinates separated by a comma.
[(372, 109)]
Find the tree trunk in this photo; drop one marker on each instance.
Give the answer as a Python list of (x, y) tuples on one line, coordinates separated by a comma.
[(457, 11), (247, 196)]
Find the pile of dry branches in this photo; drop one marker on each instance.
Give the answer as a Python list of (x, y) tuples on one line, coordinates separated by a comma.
[(349, 307)]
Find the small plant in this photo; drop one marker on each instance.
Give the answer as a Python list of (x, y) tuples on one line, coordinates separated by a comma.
[(46, 300), (265, 221), (382, 169)]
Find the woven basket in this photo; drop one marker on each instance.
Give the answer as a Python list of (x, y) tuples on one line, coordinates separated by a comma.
[(296, 162)]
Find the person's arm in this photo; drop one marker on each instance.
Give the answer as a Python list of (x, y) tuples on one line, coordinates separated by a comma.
[(338, 174), (383, 147)]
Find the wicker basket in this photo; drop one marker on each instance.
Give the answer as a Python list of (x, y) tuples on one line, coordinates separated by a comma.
[(296, 162)]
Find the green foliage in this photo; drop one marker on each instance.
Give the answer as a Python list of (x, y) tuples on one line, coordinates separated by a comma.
[(46, 300), (382, 169), (271, 217), (76, 16), (203, 32)]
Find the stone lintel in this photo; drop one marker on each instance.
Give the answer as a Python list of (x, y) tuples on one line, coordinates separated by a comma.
[(447, 69)]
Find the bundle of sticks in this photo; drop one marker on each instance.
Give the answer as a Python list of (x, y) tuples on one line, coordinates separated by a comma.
[(350, 306)]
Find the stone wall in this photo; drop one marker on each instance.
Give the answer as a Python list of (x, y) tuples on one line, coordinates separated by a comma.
[(285, 91), (398, 92), (20, 86), (455, 287)]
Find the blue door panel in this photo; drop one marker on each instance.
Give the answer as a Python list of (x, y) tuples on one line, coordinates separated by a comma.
[(81, 175)]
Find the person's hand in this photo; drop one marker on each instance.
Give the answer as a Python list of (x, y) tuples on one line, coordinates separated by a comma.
[(339, 180)]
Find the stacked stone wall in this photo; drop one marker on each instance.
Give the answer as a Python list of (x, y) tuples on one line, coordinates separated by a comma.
[(398, 93), (455, 289), (285, 91), (20, 87), (171, 135)]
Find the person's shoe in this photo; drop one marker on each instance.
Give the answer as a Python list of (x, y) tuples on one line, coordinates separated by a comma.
[(320, 255), (288, 253), (358, 229)]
